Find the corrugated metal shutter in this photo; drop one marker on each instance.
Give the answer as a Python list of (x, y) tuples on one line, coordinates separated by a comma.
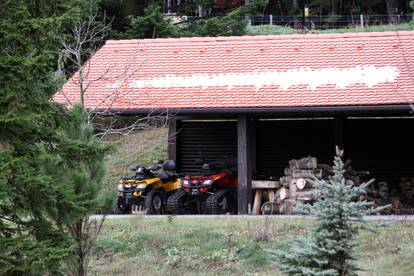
[(277, 142), (214, 140), (384, 147)]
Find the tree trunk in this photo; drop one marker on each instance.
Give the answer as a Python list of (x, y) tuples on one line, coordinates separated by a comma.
[(79, 253), (201, 11), (391, 10), (295, 4)]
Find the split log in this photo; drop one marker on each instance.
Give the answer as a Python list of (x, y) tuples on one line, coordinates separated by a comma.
[(283, 193), (326, 170), (299, 173), (384, 190), (304, 163), (287, 206), (277, 194), (301, 183), (285, 180), (379, 193), (309, 195), (407, 188), (349, 182), (292, 189), (288, 171)]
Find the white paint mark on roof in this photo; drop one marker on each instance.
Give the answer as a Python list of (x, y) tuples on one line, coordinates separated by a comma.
[(312, 78)]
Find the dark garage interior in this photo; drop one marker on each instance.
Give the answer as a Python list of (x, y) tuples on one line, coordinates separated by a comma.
[(380, 145)]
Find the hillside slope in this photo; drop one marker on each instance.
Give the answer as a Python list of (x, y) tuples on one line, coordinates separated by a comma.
[(143, 147)]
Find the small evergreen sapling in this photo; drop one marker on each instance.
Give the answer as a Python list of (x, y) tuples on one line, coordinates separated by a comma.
[(329, 247)]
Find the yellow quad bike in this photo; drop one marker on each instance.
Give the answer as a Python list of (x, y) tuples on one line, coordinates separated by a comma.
[(148, 189)]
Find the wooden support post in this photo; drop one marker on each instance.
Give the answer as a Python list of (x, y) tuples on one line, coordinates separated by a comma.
[(252, 135), (172, 138), (271, 195), (244, 141), (257, 202)]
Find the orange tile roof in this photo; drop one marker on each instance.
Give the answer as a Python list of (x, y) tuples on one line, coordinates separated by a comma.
[(249, 72)]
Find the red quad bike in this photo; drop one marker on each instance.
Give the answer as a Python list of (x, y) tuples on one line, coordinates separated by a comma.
[(213, 191)]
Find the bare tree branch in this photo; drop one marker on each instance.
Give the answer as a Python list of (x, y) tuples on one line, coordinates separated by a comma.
[(87, 38)]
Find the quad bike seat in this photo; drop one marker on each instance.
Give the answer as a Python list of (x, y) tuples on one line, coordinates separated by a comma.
[(166, 177), (169, 172)]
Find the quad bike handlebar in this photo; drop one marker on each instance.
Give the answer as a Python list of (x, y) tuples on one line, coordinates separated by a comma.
[(225, 163), (168, 167)]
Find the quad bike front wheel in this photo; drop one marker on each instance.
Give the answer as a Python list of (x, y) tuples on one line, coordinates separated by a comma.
[(154, 203), (123, 206), (219, 203)]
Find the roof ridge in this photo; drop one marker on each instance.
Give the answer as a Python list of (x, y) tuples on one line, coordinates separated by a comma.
[(263, 37)]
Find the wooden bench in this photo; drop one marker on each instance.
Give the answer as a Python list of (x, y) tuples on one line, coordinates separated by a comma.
[(260, 187)]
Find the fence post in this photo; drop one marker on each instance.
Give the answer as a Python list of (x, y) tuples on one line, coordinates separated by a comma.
[(248, 19), (361, 20), (270, 19)]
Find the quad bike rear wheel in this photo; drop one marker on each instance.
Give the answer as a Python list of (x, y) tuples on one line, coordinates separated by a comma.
[(175, 202), (219, 203), (154, 203)]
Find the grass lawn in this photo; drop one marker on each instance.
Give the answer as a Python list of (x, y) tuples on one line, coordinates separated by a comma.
[(277, 30), (177, 246)]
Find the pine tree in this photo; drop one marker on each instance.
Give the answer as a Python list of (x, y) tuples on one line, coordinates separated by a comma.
[(77, 166), (329, 247), (33, 240), (153, 24)]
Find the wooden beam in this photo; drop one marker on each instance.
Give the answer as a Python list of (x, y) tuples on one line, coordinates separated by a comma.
[(172, 138), (253, 124), (244, 141), (265, 184)]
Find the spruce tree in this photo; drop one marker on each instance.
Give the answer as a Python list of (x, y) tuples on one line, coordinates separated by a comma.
[(329, 247)]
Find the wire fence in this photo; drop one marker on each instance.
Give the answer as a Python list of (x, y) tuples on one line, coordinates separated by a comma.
[(330, 22)]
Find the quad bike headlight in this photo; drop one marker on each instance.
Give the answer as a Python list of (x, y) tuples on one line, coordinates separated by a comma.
[(120, 187), (208, 182), (141, 186)]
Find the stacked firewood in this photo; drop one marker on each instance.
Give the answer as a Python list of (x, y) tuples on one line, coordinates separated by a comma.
[(402, 199), (295, 186)]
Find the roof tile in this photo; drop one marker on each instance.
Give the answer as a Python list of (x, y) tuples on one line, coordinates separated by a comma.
[(250, 71)]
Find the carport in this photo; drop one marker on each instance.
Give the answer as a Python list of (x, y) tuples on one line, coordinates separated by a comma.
[(266, 99)]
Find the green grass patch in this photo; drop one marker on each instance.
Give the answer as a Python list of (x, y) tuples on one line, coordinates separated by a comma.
[(280, 30), (142, 246)]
